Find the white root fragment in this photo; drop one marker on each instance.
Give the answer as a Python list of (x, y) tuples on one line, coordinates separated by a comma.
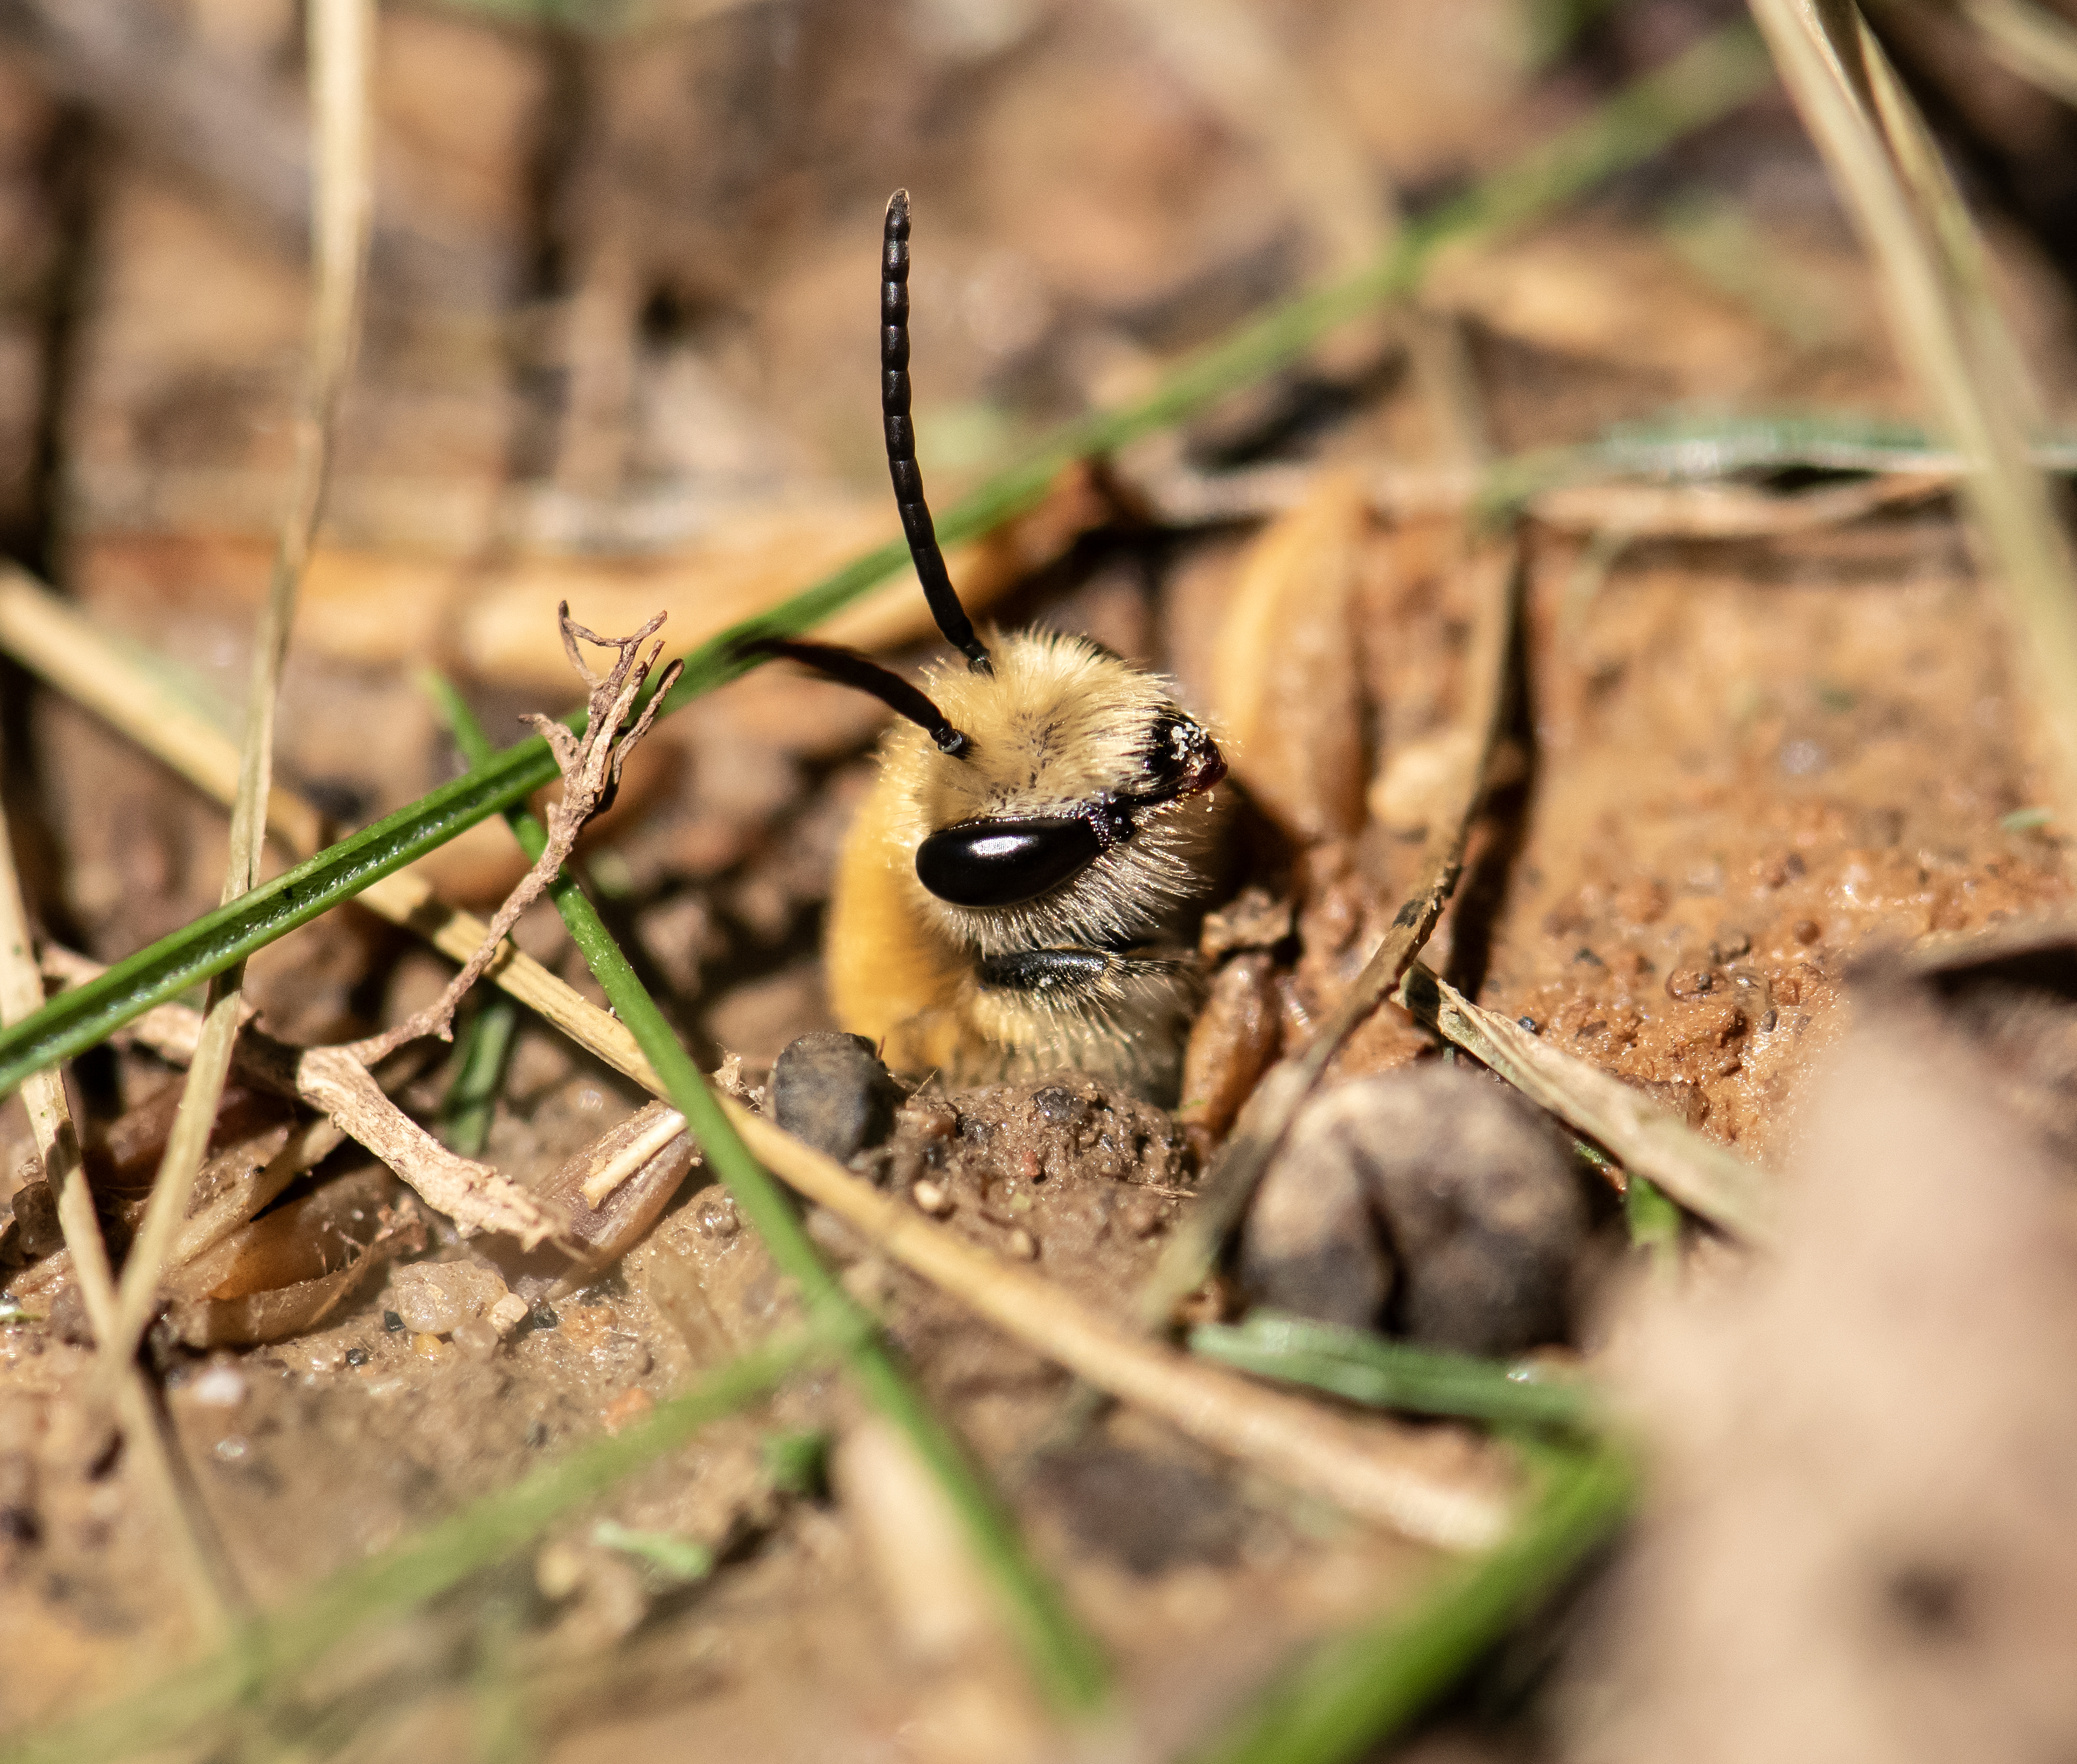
[(618, 1154), (473, 1194)]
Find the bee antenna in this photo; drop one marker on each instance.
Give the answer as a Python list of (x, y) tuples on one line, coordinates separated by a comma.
[(902, 466), (847, 668)]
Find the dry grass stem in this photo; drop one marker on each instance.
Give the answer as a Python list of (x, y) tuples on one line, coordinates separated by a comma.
[(2029, 40), (203, 1574), (1729, 510), (1711, 1182), (1427, 1486), (1947, 327), (340, 50), (590, 764), (1266, 1116)]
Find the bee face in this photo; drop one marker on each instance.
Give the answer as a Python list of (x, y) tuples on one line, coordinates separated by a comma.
[(1075, 816)]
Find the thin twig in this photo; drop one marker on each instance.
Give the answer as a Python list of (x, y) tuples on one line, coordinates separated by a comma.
[(590, 764), (1267, 1116), (340, 49), (45, 634), (1711, 1182), (204, 1574), (338, 1087)]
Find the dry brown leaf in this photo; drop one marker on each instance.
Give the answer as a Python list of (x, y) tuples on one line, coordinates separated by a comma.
[(1285, 688)]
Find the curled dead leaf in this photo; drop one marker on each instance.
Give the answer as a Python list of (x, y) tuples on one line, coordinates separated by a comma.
[(1285, 688)]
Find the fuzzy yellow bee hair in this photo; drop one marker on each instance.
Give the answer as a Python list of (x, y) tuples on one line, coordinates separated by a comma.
[(1088, 973), (1014, 896)]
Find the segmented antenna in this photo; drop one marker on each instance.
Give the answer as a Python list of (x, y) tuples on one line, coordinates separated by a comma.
[(916, 522), (849, 668)]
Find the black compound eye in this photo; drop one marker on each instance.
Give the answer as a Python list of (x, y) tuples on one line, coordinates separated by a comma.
[(1001, 862)]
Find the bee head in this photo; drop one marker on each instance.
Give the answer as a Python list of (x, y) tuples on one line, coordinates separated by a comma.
[(1072, 754)]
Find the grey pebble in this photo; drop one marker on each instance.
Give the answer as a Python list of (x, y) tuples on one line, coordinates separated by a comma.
[(1430, 1197), (831, 1090)]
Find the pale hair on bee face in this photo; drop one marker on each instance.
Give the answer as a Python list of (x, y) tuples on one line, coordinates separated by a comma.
[(1063, 728)]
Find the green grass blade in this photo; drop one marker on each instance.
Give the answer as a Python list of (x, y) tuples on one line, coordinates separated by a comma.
[(1353, 1693), (272, 1651), (1066, 1661), (79, 1018), (1366, 1368), (485, 1045), (1713, 77)]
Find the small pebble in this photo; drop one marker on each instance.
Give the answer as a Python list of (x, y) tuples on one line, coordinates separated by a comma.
[(628, 1407), (932, 1198), (356, 1356), (221, 1386), (1023, 1246), (507, 1314), (430, 1347), (830, 1089), (392, 1322), (476, 1338), (543, 1316), (435, 1298)]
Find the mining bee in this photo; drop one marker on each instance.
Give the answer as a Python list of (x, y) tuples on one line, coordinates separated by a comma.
[(1013, 895)]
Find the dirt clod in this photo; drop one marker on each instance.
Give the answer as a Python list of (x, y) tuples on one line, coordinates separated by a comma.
[(1432, 1187), (831, 1090)]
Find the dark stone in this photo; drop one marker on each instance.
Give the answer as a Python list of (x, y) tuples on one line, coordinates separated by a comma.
[(830, 1089), (392, 1321), (37, 1233)]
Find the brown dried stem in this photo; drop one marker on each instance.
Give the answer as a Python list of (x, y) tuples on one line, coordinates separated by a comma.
[(204, 1574), (338, 1087), (341, 47), (1267, 1116), (590, 765), (1711, 1182)]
